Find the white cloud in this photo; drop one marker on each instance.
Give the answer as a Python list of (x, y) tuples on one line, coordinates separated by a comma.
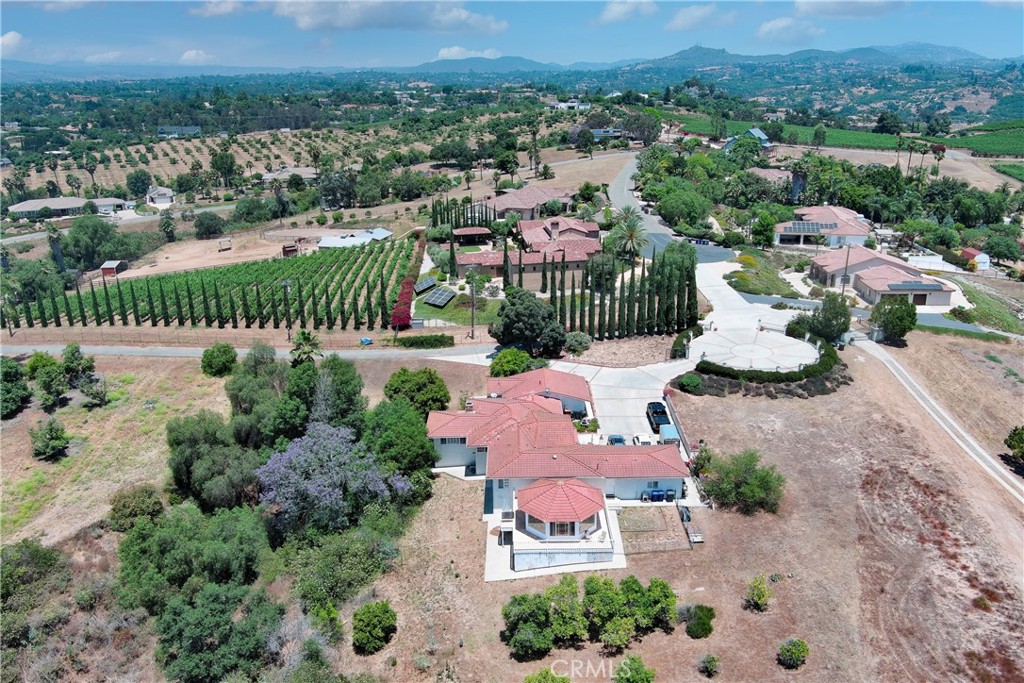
[(848, 9), (1008, 4), (195, 57), (621, 10), (706, 16), (104, 57), (63, 5), (11, 42), (789, 31), (216, 8), (459, 52), (449, 17)]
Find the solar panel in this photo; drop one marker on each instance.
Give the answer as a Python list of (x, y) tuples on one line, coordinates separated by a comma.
[(439, 297), (809, 227), (423, 286)]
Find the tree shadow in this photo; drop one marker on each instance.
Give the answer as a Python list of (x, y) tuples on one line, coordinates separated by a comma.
[(1013, 464), (895, 343)]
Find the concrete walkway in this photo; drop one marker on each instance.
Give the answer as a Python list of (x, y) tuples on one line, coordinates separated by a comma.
[(991, 464)]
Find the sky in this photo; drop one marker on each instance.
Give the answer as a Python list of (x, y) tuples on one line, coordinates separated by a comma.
[(374, 33)]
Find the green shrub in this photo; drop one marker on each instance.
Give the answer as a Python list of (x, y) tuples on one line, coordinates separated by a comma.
[(964, 315), (219, 360), (758, 593), (86, 599), (816, 292), (427, 341), (680, 342), (37, 362), (709, 666), (373, 624), (740, 482), (14, 391), (49, 440), (128, 505), (698, 625), (508, 362), (575, 343), (691, 383), (793, 653)]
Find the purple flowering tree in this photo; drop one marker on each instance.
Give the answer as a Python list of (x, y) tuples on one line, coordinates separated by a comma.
[(324, 480)]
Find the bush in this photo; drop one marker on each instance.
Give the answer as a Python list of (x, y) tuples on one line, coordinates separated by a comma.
[(698, 625), (208, 224), (426, 341), (732, 239), (816, 292), (691, 383), (741, 482), (14, 391), (508, 362), (321, 219), (219, 360), (793, 653), (577, 342), (758, 593), (709, 666), (52, 385), (49, 441), (129, 505), (38, 361), (964, 315), (632, 670), (680, 343), (373, 624), (895, 315)]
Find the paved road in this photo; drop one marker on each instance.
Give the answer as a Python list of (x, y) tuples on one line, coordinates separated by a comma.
[(962, 438), (620, 191)]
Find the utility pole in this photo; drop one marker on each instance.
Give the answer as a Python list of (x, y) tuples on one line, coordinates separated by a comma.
[(846, 270)]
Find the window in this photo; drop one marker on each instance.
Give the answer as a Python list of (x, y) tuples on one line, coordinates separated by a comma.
[(503, 484), (652, 484), (563, 529), (588, 522), (453, 440), (481, 449), (536, 525)]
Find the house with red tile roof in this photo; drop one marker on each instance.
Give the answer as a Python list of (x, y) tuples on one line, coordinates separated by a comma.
[(828, 268), (978, 256), (549, 490), (577, 254), (873, 284), (837, 225), (528, 200)]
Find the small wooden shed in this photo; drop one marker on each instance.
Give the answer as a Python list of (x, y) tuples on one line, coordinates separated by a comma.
[(289, 250), (112, 268)]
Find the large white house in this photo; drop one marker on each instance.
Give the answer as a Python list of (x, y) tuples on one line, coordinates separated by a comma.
[(550, 491)]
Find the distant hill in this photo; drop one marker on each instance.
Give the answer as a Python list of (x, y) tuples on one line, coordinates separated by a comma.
[(498, 65), (927, 52)]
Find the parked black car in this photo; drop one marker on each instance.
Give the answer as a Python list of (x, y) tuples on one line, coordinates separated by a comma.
[(657, 415)]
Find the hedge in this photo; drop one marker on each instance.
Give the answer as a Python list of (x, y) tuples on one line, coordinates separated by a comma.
[(679, 345), (827, 361), (426, 341)]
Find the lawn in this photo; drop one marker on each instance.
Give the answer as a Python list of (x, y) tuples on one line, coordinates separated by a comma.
[(458, 311), (468, 249), (833, 137), (760, 275), (1012, 170), (971, 334), (1004, 142), (990, 311)]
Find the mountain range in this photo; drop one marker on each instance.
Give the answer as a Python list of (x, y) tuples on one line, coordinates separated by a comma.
[(691, 58)]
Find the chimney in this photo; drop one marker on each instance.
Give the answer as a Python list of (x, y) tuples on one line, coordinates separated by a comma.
[(469, 406), (554, 229)]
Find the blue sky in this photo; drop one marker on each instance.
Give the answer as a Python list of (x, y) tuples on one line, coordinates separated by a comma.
[(392, 32)]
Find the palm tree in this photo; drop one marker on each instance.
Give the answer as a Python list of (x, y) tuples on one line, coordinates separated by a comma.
[(680, 145), (52, 164), (306, 348), (74, 183), (315, 153), (54, 235), (628, 213), (248, 166), (629, 238)]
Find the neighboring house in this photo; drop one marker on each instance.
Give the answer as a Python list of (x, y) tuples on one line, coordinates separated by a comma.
[(160, 196), (552, 497), (606, 134), (110, 205), (571, 105), (828, 268), (874, 284), (772, 175), (307, 173), (552, 233), (354, 239), (527, 201), (978, 256), (63, 206), (476, 235), (112, 268), (766, 145), (837, 225), (171, 132), (572, 390)]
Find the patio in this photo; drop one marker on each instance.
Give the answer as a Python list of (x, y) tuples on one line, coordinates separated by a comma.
[(753, 348)]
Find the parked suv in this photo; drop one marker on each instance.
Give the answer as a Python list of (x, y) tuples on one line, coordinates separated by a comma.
[(657, 415)]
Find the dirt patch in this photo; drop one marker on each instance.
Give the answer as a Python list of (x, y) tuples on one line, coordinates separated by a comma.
[(460, 377), (627, 353), (197, 254), (119, 445), (980, 383)]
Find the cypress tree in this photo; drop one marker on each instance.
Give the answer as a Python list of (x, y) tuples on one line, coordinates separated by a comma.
[(620, 312), (301, 300), (382, 304), (601, 315), (582, 322), (314, 305), (544, 273), (28, 309), (81, 307), (287, 304), (641, 303), (561, 293), (369, 306), (681, 295), (357, 322), (652, 311), (519, 280), (659, 286), (692, 307), (43, 320), (572, 304), (453, 266), (109, 307), (67, 309), (190, 299), (342, 316), (95, 305), (591, 330), (506, 265), (611, 327), (122, 309), (669, 287), (328, 313), (151, 305), (275, 309), (177, 306), (207, 316), (261, 312), (55, 308), (232, 311), (164, 312), (246, 311), (218, 306)]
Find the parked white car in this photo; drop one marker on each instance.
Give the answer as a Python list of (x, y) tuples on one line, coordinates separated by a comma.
[(645, 439)]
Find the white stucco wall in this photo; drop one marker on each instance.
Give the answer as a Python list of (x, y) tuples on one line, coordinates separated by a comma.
[(454, 455)]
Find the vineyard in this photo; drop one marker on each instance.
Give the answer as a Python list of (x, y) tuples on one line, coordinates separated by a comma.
[(1004, 142), (332, 289)]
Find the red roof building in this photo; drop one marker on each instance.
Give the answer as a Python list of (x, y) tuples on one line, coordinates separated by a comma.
[(560, 500)]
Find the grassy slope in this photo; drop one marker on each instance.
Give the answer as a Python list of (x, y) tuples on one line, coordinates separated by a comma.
[(990, 311), (1012, 170), (761, 276)]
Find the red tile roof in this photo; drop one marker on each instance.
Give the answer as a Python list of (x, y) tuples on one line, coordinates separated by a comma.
[(471, 231), (847, 222), (970, 253), (560, 500), (527, 198), (537, 233), (530, 258), (539, 382), (835, 260), (880, 279)]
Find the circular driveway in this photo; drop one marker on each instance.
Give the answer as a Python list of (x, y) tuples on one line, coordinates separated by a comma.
[(753, 349)]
